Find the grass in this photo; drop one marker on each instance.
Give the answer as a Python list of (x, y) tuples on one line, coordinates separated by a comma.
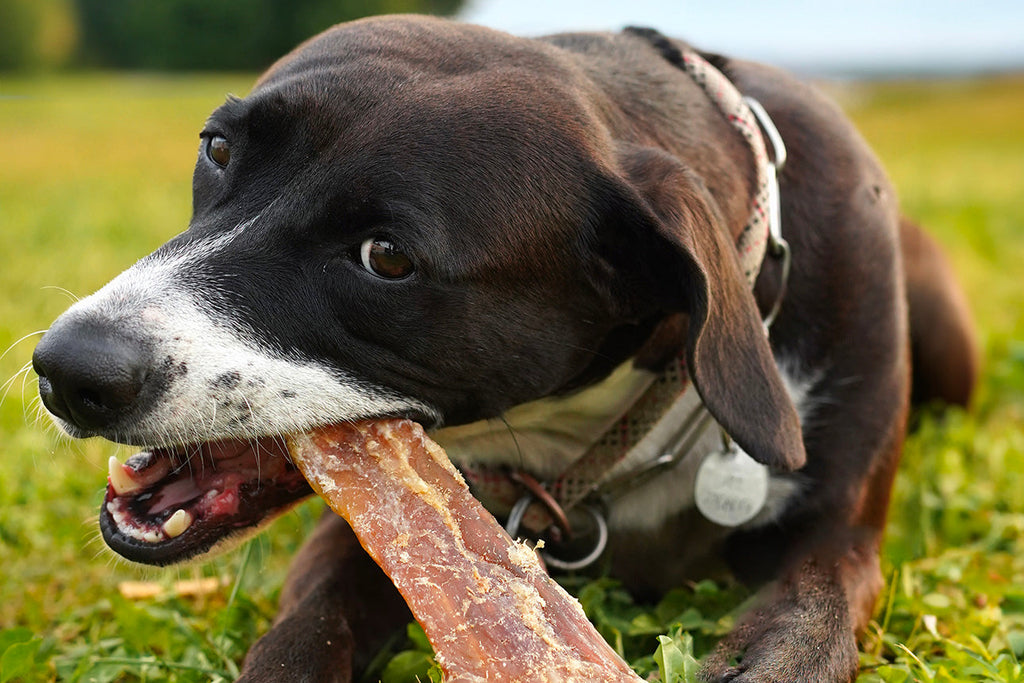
[(95, 174)]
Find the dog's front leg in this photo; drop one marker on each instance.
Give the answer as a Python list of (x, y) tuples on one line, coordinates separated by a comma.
[(804, 628), (337, 609)]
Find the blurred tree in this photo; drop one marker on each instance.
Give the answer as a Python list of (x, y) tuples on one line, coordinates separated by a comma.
[(36, 33), (217, 34)]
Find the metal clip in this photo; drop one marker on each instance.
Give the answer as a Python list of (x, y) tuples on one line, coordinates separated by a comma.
[(778, 247), (778, 147)]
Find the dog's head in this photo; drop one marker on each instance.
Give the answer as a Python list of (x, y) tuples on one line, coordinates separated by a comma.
[(405, 217)]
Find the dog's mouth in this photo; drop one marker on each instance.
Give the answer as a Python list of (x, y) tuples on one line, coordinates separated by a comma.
[(167, 505)]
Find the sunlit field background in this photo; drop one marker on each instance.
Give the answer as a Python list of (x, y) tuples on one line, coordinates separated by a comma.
[(95, 173)]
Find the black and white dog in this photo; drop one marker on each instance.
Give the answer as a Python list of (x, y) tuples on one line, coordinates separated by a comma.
[(411, 217)]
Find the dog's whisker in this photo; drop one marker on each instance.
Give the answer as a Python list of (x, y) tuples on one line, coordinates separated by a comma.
[(188, 436), (13, 378), (24, 404), (259, 464), (71, 295), (252, 416), (512, 433), (196, 453), (189, 454), (19, 340), (44, 419), (36, 407), (6, 386), (190, 433), (213, 418)]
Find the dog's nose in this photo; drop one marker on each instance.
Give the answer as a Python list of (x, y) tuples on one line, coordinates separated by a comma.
[(89, 375)]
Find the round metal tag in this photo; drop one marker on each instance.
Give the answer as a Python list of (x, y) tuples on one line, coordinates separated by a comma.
[(731, 487)]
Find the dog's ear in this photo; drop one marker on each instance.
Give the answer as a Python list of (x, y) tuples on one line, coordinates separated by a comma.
[(667, 236)]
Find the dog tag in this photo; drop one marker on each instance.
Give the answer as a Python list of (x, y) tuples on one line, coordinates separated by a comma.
[(731, 487)]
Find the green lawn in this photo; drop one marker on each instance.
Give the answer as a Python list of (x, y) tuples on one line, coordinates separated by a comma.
[(95, 173)]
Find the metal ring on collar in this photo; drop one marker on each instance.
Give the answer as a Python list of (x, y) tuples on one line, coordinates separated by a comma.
[(515, 516), (589, 558), (515, 520)]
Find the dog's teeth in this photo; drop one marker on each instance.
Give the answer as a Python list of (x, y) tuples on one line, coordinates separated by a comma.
[(122, 482), (177, 523), (152, 536)]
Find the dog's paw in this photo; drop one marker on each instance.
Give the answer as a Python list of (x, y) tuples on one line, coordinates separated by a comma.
[(781, 658), (723, 675), (800, 636)]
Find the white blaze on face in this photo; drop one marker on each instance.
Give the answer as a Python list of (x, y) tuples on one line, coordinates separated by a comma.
[(217, 378)]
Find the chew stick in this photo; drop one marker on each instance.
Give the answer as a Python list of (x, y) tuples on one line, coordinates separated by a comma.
[(487, 606)]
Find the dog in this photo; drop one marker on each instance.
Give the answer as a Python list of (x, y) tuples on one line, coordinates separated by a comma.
[(414, 217)]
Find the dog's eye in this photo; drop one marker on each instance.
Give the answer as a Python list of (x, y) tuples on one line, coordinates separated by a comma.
[(218, 149), (382, 258)]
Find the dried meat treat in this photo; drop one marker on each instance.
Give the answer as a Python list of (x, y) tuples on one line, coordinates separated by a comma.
[(488, 607)]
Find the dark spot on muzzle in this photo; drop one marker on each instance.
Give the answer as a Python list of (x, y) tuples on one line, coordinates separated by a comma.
[(226, 380)]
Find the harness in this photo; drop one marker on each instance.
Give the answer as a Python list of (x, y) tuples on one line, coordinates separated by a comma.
[(660, 419)]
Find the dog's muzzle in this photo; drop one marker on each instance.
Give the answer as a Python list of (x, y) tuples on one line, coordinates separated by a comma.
[(167, 503)]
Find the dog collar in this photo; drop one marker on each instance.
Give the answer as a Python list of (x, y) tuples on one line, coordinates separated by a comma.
[(644, 422)]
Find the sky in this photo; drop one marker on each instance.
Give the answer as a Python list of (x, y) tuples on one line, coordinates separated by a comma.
[(827, 36)]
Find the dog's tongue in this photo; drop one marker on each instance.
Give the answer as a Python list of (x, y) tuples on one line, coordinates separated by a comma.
[(484, 601)]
